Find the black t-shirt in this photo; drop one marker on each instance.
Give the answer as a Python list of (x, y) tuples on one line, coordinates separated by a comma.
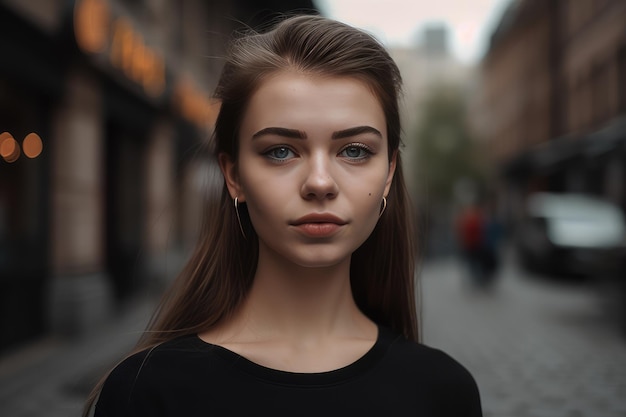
[(188, 377)]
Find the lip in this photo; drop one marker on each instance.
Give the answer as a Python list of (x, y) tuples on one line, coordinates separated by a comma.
[(318, 224), (319, 218)]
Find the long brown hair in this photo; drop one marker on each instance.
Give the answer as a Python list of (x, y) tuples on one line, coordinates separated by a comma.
[(220, 271)]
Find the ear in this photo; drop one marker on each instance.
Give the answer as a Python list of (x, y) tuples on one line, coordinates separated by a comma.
[(229, 170), (392, 170)]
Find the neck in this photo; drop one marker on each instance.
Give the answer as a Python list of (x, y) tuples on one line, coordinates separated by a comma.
[(299, 303)]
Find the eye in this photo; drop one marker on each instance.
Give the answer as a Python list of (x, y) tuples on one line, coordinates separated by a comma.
[(280, 153), (356, 151)]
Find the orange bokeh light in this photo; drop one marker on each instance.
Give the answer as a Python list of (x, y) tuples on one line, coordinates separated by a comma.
[(9, 148), (3, 136), (32, 145)]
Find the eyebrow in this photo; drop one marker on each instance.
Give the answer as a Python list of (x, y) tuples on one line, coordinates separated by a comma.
[(355, 131), (299, 134), (280, 131)]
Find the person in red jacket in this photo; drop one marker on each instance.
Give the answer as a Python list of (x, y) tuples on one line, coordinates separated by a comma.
[(470, 229)]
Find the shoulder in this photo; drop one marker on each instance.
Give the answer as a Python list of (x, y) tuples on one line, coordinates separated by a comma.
[(432, 363), (129, 369), (141, 375), (430, 370)]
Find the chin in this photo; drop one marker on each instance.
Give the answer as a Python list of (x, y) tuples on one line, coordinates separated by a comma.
[(310, 255), (319, 265), (316, 260)]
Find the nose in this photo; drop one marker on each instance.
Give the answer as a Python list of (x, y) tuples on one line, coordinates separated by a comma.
[(319, 182)]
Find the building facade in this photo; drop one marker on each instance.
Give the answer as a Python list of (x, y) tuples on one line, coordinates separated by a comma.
[(552, 103), (105, 113)]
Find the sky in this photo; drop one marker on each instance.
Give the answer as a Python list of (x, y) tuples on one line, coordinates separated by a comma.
[(398, 22)]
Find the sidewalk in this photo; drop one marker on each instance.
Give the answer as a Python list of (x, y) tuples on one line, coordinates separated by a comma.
[(538, 347), (53, 377)]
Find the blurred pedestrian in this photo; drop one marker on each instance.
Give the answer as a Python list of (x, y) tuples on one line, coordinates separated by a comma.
[(491, 236), (470, 229), (299, 299), (479, 234)]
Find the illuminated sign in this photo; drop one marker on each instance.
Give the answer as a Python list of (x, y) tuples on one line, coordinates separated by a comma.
[(194, 105), (98, 33), (91, 25)]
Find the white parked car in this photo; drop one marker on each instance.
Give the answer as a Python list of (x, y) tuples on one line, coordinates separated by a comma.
[(572, 233)]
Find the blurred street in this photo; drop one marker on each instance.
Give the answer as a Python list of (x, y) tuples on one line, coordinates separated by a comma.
[(53, 378), (537, 347)]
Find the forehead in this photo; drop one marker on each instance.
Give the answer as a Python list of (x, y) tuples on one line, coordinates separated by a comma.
[(313, 102)]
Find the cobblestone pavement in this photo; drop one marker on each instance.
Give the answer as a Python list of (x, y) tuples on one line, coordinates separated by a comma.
[(52, 378), (537, 347)]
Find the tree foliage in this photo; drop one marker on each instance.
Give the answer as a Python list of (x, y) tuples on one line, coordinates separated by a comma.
[(446, 153)]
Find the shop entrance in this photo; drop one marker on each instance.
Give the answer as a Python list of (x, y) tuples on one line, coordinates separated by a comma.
[(125, 155)]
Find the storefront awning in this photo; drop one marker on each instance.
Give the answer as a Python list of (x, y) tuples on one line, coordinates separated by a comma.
[(560, 153)]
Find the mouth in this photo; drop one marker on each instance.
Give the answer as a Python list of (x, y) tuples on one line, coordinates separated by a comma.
[(319, 218), (318, 225)]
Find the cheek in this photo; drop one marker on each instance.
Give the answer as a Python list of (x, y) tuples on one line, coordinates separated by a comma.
[(366, 195), (368, 185), (264, 195)]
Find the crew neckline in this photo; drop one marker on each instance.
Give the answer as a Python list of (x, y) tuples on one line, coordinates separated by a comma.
[(312, 379)]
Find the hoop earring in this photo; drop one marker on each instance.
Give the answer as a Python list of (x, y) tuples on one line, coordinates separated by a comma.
[(384, 207), (236, 201)]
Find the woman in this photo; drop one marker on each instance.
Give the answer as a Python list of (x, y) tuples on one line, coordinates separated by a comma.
[(300, 297)]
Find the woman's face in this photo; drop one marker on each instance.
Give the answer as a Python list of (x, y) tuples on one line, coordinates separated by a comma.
[(313, 167)]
